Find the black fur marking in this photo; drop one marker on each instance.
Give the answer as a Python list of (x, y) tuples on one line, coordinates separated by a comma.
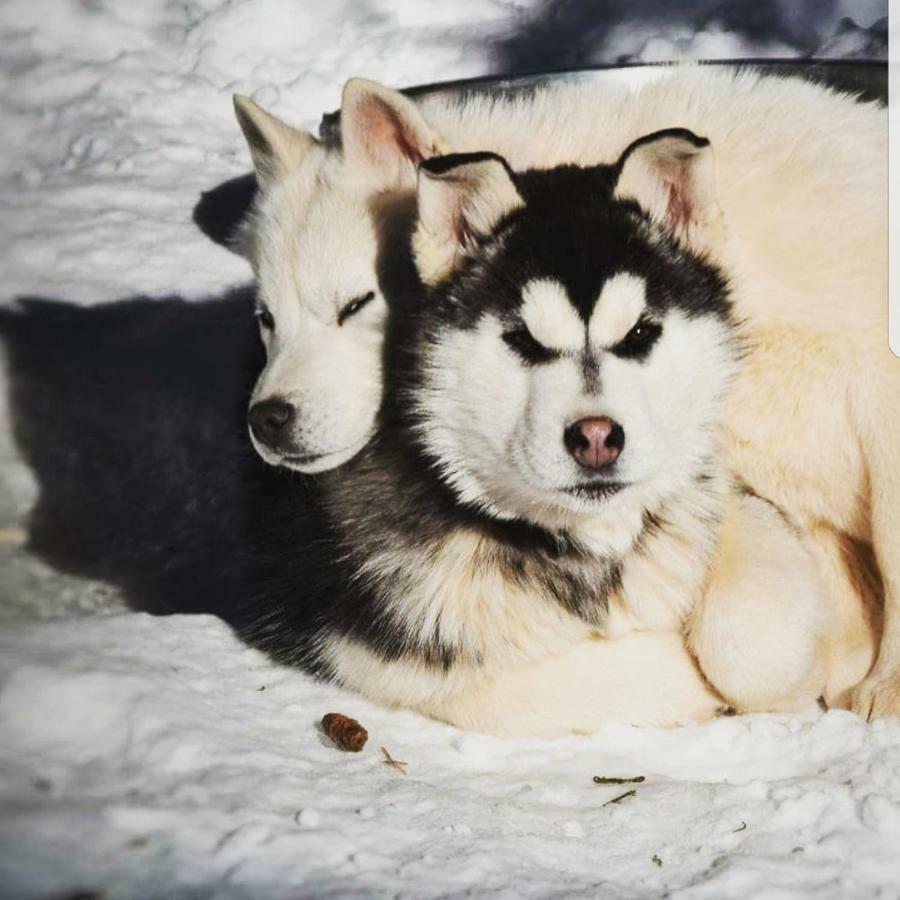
[(441, 165), (583, 591), (574, 231), (530, 351), (590, 371)]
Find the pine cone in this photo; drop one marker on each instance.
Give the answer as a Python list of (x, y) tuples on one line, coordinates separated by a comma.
[(347, 733)]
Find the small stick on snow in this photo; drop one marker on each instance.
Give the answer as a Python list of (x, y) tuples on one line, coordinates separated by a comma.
[(621, 797), (393, 763), (603, 779), (743, 827)]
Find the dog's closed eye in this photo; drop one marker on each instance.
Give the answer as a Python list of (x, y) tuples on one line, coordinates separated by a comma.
[(522, 342), (354, 306), (265, 317)]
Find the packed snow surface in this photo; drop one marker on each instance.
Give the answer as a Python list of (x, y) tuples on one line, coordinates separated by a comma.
[(154, 757), (146, 757)]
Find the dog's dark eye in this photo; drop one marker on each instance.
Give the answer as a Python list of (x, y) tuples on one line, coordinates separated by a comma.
[(520, 341), (354, 306), (265, 318), (639, 341)]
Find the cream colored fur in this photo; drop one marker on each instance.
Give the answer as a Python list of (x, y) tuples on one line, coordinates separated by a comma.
[(762, 612), (525, 665), (812, 423), (642, 678)]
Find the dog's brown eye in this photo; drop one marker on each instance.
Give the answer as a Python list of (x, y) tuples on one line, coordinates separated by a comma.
[(354, 306), (265, 318), (639, 341)]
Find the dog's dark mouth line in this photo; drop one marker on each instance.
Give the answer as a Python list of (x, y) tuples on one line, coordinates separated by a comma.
[(596, 489)]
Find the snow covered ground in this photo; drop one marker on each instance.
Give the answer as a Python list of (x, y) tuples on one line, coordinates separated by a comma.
[(146, 757), (157, 757)]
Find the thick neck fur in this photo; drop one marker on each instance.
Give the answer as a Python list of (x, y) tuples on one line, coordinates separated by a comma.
[(458, 595)]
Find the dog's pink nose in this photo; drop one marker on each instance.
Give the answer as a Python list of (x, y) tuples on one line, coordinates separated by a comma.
[(595, 442)]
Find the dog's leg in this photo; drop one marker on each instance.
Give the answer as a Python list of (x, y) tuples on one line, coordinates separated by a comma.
[(877, 408), (855, 597), (640, 678), (759, 631)]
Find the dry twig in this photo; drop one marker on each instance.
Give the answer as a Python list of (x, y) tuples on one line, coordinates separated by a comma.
[(621, 797), (393, 763)]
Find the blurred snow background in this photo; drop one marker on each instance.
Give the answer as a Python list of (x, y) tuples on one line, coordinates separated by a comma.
[(140, 757)]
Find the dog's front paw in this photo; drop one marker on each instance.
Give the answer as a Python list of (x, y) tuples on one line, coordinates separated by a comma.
[(878, 696)]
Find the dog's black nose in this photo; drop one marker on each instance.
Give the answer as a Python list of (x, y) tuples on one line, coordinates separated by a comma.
[(270, 421)]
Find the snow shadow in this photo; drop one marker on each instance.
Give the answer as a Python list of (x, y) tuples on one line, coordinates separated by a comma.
[(132, 417)]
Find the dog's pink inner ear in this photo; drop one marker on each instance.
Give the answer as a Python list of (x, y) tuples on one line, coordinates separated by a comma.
[(465, 202), (677, 183), (383, 134), (671, 176), (458, 204)]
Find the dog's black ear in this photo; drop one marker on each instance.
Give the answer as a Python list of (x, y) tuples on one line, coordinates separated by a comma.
[(671, 175), (461, 198), (276, 148), (383, 134)]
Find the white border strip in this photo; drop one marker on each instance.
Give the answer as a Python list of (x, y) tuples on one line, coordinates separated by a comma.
[(894, 180)]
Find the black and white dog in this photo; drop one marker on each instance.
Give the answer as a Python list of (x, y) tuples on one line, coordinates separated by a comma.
[(545, 474)]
